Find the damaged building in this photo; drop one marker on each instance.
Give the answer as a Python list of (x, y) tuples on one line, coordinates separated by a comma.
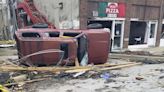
[(63, 13), (133, 23), (4, 18), (7, 19)]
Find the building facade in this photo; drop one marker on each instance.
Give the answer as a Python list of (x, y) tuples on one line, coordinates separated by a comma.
[(132, 23), (63, 13), (7, 24)]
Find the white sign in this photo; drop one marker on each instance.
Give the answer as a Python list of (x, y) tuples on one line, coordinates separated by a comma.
[(112, 10)]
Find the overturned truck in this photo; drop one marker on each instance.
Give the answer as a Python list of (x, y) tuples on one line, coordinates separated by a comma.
[(62, 47)]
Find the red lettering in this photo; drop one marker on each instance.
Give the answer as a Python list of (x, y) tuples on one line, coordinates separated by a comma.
[(112, 10)]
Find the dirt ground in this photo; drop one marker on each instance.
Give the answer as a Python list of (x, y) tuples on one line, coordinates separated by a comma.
[(149, 78), (8, 51), (140, 78)]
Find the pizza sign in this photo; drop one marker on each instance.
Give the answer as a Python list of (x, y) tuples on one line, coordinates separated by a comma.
[(112, 8), (115, 10)]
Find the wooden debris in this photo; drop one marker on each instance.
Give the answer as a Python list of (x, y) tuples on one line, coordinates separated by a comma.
[(67, 69), (20, 78), (121, 66), (78, 74), (77, 63), (6, 45), (102, 69), (7, 42), (14, 68), (8, 63), (79, 70), (3, 89), (139, 78), (25, 82)]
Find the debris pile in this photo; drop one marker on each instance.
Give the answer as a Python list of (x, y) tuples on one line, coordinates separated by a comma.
[(16, 77), (8, 43)]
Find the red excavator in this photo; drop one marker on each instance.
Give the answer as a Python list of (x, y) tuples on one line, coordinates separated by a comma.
[(28, 15)]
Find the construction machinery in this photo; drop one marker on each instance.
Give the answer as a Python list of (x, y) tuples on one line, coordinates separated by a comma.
[(28, 15)]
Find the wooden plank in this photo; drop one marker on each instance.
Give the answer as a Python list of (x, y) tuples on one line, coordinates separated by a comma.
[(7, 42), (77, 63), (100, 65), (102, 69), (121, 66), (59, 69), (54, 69), (29, 81)]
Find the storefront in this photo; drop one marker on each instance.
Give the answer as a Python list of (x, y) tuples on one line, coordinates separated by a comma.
[(112, 16), (133, 24), (142, 34)]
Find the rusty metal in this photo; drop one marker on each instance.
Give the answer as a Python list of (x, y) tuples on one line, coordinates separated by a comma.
[(24, 59), (98, 46), (34, 40)]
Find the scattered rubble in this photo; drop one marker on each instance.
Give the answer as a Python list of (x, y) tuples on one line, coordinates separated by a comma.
[(19, 76), (92, 78), (139, 78), (139, 58), (3, 89), (4, 77), (123, 80), (146, 53), (7, 44)]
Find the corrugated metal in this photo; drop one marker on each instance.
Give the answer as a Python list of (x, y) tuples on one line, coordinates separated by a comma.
[(97, 46)]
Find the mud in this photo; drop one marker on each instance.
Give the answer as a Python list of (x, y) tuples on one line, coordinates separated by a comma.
[(151, 76)]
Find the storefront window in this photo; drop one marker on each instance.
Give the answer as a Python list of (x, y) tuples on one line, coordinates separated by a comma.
[(137, 32)]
